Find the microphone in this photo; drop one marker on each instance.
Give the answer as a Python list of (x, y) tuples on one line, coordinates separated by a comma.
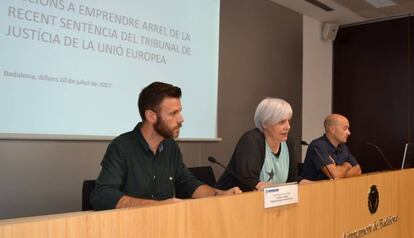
[(377, 148), (302, 142), (214, 161)]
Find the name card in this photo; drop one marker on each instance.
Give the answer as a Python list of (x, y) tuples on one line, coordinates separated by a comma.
[(280, 195)]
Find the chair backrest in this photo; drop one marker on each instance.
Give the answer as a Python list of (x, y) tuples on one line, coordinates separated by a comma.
[(87, 188), (300, 169), (205, 174)]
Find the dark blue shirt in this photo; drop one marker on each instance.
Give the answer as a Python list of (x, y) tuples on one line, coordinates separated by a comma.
[(313, 164), (129, 167)]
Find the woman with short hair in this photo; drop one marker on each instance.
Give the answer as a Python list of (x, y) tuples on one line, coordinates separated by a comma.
[(263, 156)]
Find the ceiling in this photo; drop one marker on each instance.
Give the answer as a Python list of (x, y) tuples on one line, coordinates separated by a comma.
[(349, 11)]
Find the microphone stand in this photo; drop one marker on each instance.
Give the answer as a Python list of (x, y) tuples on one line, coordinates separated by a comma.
[(302, 142)]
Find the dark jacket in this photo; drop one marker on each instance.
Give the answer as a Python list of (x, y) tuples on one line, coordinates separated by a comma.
[(247, 162)]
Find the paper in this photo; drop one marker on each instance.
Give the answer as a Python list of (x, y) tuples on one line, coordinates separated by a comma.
[(280, 195)]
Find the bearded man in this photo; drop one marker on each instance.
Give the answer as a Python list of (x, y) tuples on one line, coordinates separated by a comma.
[(145, 166)]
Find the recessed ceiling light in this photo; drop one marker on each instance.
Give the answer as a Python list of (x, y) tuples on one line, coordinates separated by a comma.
[(381, 3)]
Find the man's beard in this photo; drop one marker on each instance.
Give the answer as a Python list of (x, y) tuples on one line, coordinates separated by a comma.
[(162, 129)]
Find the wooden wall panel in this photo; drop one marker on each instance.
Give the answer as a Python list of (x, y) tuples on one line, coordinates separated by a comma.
[(370, 87), (411, 81)]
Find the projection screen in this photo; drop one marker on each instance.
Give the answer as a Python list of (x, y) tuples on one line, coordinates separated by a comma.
[(74, 69)]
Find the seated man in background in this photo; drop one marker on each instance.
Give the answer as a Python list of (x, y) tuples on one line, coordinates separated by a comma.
[(328, 157), (145, 166)]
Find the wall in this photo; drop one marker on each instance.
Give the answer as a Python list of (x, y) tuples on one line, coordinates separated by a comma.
[(260, 55), (317, 80)]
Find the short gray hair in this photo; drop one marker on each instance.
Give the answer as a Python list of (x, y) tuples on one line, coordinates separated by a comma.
[(271, 111)]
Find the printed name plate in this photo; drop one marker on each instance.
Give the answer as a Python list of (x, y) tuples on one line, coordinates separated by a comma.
[(280, 195)]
